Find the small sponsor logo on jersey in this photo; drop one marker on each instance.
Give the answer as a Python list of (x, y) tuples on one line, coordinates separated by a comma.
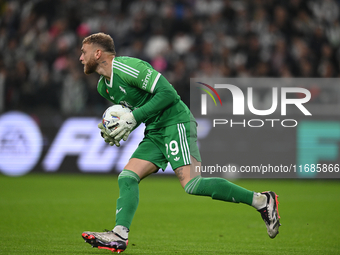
[(117, 211), (146, 80), (112, 98), (177, 158), (122, 89)]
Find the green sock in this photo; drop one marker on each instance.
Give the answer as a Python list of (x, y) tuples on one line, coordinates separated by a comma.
[(127, 202), (220, 189)]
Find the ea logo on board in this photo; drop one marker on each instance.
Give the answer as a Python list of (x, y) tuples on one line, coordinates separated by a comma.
[(20, 143)]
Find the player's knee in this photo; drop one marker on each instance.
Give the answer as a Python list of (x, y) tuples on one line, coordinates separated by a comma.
[(127, 177)]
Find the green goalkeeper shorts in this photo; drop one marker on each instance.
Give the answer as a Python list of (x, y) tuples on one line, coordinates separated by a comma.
[(173, 144)]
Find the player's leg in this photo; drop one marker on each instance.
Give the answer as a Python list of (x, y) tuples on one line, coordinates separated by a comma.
[(221, 189), (136, 169), (128, 180), (182, 144), (127, 203), (215, 187), (187, 173)]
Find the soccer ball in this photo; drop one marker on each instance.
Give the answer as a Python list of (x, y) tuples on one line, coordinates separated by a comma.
[(109, 121)]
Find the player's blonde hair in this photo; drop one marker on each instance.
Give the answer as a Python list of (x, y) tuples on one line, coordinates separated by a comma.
[(103, 40)]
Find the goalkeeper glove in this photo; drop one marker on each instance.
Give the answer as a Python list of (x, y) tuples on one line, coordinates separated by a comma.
[(107, 138), (125, 125)]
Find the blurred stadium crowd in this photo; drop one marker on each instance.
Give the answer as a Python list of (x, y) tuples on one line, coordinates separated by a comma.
[(40, 44)]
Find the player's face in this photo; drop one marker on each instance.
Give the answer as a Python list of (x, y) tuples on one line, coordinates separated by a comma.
[(87, 59)]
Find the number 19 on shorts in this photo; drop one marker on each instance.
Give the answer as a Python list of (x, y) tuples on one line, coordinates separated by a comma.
[(173, 147)]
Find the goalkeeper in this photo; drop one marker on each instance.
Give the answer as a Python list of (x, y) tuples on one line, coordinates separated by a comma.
[(170, 137)]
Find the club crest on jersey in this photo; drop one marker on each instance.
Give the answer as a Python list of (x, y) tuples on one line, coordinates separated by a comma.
[(122, 89), (146, 80)]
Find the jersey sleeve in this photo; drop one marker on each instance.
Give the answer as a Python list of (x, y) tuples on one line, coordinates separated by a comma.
[(164, 96), (136, 72), (149, 77), (141, 74)]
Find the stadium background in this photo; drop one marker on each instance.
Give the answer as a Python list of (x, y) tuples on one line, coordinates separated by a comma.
[(42, 78), (49, 112)]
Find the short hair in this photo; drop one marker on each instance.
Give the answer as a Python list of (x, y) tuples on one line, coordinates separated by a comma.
[(103, 40)]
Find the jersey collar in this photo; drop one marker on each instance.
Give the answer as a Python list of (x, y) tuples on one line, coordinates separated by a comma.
[(111, 78)]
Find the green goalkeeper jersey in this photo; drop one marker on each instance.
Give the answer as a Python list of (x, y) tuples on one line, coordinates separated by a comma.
[(137, 85)]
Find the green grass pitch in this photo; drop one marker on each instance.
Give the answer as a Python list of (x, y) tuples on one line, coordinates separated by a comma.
[(46, 214)]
